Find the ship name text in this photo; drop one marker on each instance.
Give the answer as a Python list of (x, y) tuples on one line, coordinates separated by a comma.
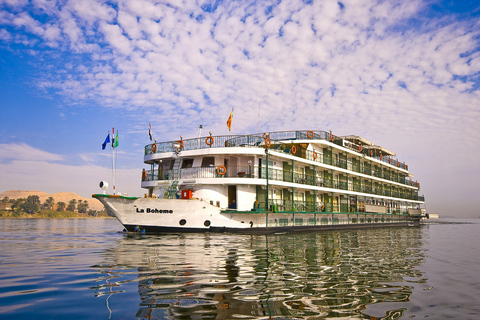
[(154, 210)]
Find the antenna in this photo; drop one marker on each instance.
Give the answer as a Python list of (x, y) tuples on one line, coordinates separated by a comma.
[(199, 134), (259, 104)]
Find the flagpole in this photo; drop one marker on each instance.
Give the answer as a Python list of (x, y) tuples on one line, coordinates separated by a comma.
[(113, 160), (112, 145), (114, 171)]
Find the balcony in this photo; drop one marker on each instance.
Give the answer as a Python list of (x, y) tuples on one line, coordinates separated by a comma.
[(273, 174)]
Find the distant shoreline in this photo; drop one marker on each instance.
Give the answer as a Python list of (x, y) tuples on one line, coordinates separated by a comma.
[(7, 214), (78, 217)]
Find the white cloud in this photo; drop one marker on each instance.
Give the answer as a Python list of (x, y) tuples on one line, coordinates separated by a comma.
[(91, 11), (114, 36), (14, 3), (5, 35), (22, 151)]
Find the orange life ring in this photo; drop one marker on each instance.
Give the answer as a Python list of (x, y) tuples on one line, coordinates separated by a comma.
[(314, 155), (221, 170), (154, 147), (268, 142), (181, 143), (360, 148), (411, 182), (398, 164), (371, 153), (332, 137), (294, 149), (381, 157), (209, 140), (310, 134), (390, 160), (418, 184), (144, 175), (404, 166)]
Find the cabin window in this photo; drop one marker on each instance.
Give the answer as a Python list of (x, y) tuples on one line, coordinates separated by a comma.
[(187, 163), (298, 196), (208, 162), (361, 206), (166, 164), (349, 164), (271, 163), (298, 222)]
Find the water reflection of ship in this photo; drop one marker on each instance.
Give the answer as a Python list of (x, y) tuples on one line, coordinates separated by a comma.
[(315, 275)]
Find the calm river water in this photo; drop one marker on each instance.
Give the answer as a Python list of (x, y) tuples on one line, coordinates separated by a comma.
[(86, 269)]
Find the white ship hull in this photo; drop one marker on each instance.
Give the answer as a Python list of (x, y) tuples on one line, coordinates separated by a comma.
[(193, 215)]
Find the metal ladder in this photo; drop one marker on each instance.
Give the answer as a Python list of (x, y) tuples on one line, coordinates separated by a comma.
[(175, 176), (172, 190)]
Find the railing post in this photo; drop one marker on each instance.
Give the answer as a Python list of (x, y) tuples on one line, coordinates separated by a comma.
[(331, 180), (266, 200)]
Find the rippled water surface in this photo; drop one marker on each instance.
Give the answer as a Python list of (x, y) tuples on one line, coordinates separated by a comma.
[(86, 269)]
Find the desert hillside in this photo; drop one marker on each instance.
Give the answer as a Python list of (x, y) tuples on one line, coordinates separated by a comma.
[(58, 197)]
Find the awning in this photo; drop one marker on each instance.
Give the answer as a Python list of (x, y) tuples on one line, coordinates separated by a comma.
[(357, 140), (378, 149)]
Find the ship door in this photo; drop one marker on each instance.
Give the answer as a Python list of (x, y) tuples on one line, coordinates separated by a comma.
[(232, 197), (260, 168)]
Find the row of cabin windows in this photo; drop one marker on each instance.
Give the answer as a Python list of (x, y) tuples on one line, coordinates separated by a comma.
[(210, 162), (206, 162)]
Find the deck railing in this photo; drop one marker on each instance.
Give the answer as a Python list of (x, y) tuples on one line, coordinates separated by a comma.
[(282, 205), (277, 175), (259, 141)]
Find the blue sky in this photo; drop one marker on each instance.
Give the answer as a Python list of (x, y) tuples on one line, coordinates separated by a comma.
[(402, 74)]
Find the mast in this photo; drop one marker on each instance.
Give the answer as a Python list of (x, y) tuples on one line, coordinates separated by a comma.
[(113, 160), (114, 143)]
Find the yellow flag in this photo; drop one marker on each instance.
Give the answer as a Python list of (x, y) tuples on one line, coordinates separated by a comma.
[(229, 121)]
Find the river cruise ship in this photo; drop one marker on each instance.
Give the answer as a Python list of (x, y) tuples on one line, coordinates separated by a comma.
[(270, 182)]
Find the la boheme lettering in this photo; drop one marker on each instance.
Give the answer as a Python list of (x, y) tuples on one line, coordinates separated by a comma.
[(150, 210)]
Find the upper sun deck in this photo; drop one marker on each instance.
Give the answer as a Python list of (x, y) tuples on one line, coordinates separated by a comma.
[(280, 141)]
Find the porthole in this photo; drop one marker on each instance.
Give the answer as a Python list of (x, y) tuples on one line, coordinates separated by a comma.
[(182, 222), (207, 223)]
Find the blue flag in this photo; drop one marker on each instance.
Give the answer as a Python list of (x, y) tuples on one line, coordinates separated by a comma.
[(107, 140)]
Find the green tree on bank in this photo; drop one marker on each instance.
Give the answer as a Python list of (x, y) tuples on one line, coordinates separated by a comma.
[(82, 206), (72, 205), (31, 205), (61, 206), (17, 203), (48, 204)]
